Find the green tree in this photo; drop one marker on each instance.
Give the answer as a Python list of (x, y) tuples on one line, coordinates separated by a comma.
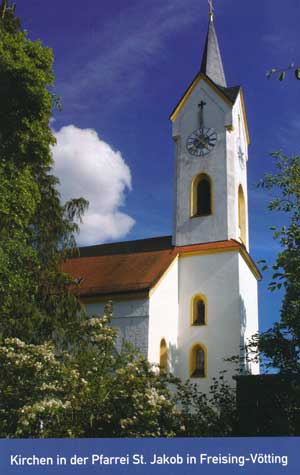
[(36, 230), (281, 343), (7, 16), (59, 370)]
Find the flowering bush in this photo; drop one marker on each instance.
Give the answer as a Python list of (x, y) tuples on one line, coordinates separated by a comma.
[(88, 391)]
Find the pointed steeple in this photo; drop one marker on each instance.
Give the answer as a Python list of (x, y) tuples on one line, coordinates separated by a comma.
[(211, 64)]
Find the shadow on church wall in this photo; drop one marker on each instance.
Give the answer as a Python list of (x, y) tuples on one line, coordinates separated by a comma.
[(244, 363), (173, 359)]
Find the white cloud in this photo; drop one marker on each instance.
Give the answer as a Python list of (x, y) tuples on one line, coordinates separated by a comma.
[(87, 166)]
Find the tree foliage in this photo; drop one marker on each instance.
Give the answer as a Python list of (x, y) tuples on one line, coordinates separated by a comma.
[(281, 344), (89, 391), (8, 20), (211, 414), (280, 73), (36, 230), (92, 390)]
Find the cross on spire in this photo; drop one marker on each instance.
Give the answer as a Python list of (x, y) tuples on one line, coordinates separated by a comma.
[(211, 10), (211, 64)]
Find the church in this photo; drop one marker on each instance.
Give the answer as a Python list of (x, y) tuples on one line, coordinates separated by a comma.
[(189, 301)]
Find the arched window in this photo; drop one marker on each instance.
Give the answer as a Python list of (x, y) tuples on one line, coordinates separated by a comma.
[(198, 361), (163, 355), (199, 310), (242, 215), (201, 196)]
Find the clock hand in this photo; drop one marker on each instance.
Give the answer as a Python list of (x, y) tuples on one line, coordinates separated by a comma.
[(202, 142)]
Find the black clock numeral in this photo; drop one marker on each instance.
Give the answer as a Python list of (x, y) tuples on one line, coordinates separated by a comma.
[(201, 141)]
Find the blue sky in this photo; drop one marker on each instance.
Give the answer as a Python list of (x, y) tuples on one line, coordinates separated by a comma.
[(120, 68)]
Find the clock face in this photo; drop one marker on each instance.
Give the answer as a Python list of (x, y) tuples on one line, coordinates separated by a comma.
[(201, 141)]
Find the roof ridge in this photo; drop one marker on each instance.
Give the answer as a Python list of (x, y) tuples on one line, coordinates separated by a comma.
[(127, 247)]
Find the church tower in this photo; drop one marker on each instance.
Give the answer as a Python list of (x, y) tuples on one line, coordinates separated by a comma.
[(217, 279), (189, 301), (211, 140)]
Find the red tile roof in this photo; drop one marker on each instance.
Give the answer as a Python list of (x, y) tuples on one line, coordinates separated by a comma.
[(135, 266), (119, 273)]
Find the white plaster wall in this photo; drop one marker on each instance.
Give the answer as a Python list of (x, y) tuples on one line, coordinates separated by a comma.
[(163, 317), (248, 306), (131, 317), (237, 172), (217, 114), (217, 277)]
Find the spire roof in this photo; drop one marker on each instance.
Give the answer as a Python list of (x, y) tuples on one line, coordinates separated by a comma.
[(211, 64)]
